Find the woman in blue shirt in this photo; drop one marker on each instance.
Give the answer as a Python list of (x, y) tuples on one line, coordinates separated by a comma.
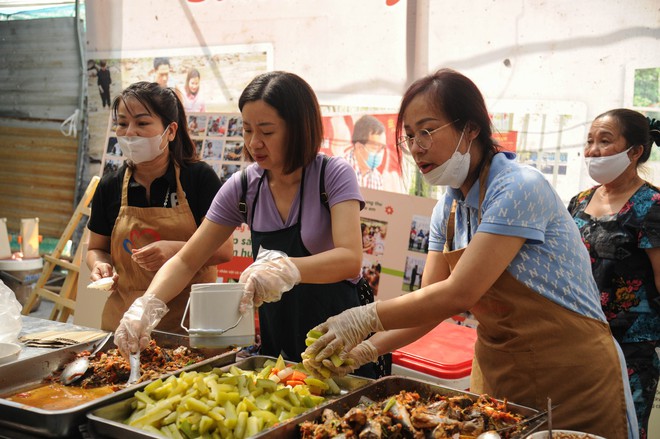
[(503, 246)]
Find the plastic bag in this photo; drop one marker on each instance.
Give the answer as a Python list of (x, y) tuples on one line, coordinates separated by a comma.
[(10, 315)]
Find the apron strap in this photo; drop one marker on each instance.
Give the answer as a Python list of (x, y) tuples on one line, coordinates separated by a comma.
[(242, 205), (451, 219), (324, 194)]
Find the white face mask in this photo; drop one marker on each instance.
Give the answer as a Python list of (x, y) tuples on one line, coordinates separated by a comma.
[(141, 149), (452, 172), (605, 169)]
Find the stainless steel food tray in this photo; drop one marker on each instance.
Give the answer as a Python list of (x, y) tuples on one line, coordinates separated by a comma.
[(106, 421), (31, 372), (384, 388)]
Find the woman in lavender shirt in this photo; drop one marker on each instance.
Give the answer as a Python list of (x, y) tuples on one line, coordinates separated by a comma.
[(307, 244)]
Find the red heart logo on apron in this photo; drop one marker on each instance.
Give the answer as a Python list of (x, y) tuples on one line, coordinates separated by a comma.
[(136, 235)]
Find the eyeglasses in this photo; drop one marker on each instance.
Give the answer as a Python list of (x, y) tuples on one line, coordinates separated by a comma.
[(423, 138)]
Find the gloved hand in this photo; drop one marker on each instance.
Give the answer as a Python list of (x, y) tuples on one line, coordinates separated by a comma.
[(270, 275), (360, 355), (134, 331), (344, 331)]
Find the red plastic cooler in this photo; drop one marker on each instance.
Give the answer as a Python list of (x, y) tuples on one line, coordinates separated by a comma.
[(443, 356)]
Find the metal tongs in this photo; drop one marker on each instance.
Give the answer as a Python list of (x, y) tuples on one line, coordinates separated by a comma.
[(547, 412), (549, 418), (493, 434), (134, 362)]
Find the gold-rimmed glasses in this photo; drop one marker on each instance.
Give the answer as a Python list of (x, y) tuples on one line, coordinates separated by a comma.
[(423, 138)]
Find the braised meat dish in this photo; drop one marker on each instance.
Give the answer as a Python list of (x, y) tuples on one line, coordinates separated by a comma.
[(406, 415)]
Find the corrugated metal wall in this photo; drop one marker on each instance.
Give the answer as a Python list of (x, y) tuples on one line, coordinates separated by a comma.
[(40, 87)]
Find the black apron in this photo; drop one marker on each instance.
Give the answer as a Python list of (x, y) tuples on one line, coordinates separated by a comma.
[(284, 324)]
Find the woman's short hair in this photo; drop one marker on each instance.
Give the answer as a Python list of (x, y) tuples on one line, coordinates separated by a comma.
[(295, 102)]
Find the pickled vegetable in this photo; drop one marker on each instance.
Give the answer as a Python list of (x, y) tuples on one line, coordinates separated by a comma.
[(237, 403)]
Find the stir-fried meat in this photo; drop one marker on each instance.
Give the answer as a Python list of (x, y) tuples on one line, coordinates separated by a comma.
[(428, 417), (400, 415), (355, 418), (330, 415), (405, 416), (371, 430), (443, 431), (110, 368), (474, 427)]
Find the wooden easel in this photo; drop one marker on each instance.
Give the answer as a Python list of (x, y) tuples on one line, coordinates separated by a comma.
[(65, 301)]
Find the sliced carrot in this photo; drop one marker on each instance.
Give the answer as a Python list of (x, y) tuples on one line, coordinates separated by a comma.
[(294, 383), (298, 376)]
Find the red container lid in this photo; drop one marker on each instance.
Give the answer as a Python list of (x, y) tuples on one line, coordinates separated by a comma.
[(445, 352)]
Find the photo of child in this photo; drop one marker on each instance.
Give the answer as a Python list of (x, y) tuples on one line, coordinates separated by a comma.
[(217, 126), (373, 236), (233, 151), (212, 149), (197, 124)]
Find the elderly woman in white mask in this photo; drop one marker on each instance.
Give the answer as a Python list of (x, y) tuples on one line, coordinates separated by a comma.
[(619, 220)]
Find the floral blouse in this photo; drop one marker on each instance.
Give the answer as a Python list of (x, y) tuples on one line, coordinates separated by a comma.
[(621, 267)]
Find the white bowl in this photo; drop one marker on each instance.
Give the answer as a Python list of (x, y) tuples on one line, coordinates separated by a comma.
[(9, 352), (576, 435)]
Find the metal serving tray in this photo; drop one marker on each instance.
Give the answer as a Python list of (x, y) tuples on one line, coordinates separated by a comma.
[(30, 373), (106, 422), (387, 387)]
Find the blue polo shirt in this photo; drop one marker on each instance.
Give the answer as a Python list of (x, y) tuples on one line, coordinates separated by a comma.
[(519, 201)]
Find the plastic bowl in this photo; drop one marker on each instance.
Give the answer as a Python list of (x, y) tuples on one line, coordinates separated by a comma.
[(561, 434), (9, 352)]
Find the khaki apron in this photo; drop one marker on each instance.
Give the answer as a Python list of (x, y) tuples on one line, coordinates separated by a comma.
[(529, 348), (136, 227)]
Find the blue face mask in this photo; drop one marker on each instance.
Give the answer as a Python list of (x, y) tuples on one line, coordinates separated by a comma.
[(375, 159)]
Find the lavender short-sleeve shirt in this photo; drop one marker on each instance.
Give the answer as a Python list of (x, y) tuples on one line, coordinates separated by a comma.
[(340, 185)]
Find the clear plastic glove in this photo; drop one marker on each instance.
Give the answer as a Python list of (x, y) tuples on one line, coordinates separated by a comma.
[(344, 331), (360, 355), (134, 330), (270, 275)]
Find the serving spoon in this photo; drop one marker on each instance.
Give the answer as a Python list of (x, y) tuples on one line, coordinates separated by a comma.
[(77, 368), (134, 362), (491, 434), (495, 434)]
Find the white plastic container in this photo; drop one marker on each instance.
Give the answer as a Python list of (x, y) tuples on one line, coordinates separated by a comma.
[(457, 383), (215, 321)]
